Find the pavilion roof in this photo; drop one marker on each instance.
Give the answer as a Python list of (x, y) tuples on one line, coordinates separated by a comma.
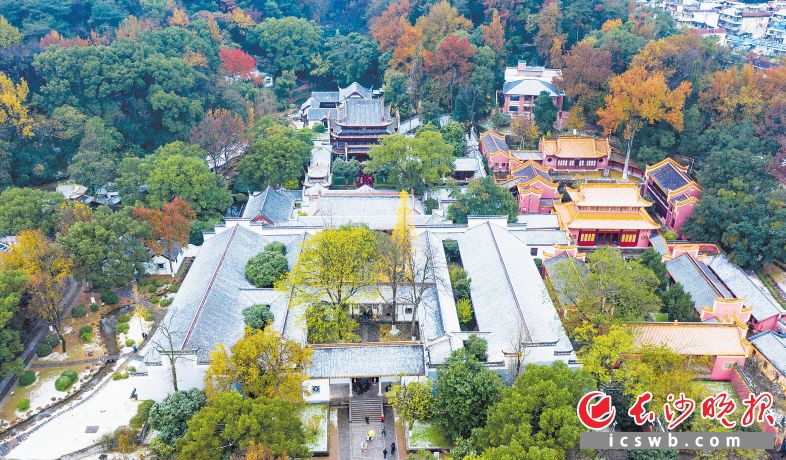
[(693, 339), (571, 216), (494, 142), (669, 175)]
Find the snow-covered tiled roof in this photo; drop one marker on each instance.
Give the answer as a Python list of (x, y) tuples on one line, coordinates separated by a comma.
[(367, 360), (754, 294), (208, 306), (773, 347), (508, 295)]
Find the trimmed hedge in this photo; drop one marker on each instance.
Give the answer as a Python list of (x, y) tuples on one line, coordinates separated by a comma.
[(109, 297), (63, 383), (130, 342), (165, 303), (119, 375), (43, 350), (27, 378), (79, 311), (71, 374), (93, 307), (86, 337), (266, 268), (122, 327), (84, 329), (23, 405), (155, 299), (124, 318)]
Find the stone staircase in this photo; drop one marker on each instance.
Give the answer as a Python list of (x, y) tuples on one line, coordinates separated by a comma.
[(360, 408)]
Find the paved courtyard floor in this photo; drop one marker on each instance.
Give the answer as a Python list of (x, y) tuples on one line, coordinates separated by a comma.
[(357, 434)]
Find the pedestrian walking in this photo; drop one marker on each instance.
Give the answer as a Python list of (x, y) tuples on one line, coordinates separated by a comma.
[(366, 419), (384, 453), (382, 418), (392, 448), (363, 446)]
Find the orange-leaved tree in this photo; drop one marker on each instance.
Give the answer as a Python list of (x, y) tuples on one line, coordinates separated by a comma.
[(637, 97), (170, 227), (237, 63)]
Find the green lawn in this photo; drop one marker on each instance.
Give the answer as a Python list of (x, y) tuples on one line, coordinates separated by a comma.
[(660, 317), (315, 418), (424, 435)]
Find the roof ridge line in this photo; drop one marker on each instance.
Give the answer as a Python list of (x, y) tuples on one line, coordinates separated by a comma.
[(209, 286), (507, 279)]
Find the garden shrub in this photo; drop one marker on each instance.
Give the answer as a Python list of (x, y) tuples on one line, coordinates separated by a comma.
[(148, 315), (276, 246), (159, 283), (130, 342), (124, 318), (319, 129), (150, 288), (431, 204), (119, 375), (86, 337), (131, 369), (63, 383), (155, 299), (257, 316), (477, 347), (142, 413), (109, 297), (52, 340), (71, 374), (670, 236), (174, 288), (93, 307), (266, 268), (464, 310), (460, 282), (84, 329), (43, 350), (27, 378), (79, 311), (165, 303), (23, 405), (122, 327)]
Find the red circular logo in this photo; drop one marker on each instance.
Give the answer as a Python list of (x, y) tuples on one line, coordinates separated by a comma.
[(595, 410)]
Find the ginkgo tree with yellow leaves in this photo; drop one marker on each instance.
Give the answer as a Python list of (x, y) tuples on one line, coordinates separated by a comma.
[(637, 97), (263, 363), (13, 111)]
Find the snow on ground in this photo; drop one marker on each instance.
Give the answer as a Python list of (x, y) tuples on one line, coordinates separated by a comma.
[(44, 391), (136, 326), (109, 409), (55, 356)]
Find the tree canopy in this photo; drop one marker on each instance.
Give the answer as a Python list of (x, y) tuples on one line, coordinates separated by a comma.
[(412, 163), (483, 198)]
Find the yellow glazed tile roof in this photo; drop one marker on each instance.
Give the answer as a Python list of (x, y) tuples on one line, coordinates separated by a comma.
[(611, 195), (692, 339), (576, 147)]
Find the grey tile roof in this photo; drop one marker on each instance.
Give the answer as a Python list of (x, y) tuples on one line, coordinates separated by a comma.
[(530, 87), (659, 243), (669, 177), (207, 308), (541, 237), (532, 221), (507, 292), (364, 112), (270, 206), (524, 155), (701, 284), (468, 164), (361, 360), (754, 295), (493, 143), (355, 88), (529, 172), (773, 347)]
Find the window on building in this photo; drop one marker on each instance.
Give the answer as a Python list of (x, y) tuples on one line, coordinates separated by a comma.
[(515, 98), (408, 310), (727, 366), (533, 251), (576, 162), (315, 389), (160, 266)]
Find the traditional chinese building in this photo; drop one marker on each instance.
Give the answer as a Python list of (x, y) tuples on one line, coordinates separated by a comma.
[(525, 83), (606, 215), (533, 188), (673, 192), (355, 116), (574, 153), (720, 290), (723, 344)]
